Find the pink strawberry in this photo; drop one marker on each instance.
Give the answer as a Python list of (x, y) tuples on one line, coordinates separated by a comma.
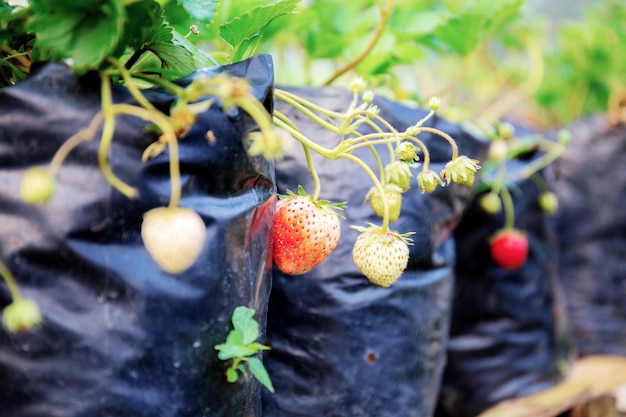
[(305, 232), (382, 256), (509, 248)]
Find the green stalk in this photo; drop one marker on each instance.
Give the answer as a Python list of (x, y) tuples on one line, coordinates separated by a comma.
[(316, 178), (377, 184), (79, 137), (108, 130), (325, 152), (8, 277), (455, 148), (385, 15), (163, 122), (509, 210)]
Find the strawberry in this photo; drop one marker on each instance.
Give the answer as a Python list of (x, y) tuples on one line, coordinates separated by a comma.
[(173, 236), (509, 248), (393, 193), (382, 256), (305, 232), (37, 186)]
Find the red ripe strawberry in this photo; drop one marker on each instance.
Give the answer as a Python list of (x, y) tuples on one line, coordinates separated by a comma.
[(509, 248), (305, 232), (382, 256)]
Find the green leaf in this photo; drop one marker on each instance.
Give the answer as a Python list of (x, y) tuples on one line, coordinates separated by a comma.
[(244, 323), (201, 10), (86, 31), (172, 56), (250, 25), (463, 32), (260, 373)]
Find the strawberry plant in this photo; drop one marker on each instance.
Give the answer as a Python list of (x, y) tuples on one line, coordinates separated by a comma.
[(241, 345)]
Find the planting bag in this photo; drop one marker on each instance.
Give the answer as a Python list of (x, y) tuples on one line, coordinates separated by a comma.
[(591, 227), (342, 346), (508, 333), (120, 337)]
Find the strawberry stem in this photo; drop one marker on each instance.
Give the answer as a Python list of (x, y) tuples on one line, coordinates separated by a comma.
[(385, 15), (106, 139), (79, 137), (509, 209), (316, 178), (9, 279), (377, 184)]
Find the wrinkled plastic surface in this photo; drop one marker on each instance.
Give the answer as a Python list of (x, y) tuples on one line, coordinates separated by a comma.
[(509, 333), (120, 337), (591, 186), (340, 345)]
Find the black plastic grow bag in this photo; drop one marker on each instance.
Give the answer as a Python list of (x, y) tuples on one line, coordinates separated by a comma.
[(121, 338), (340, 345), (591, 185), (509, 334)]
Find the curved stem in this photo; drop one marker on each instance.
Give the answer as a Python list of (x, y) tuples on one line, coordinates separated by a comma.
[(455, 148), (168, 134), (326, 153), (545, 160), (8, 277), (289, 100), (295, 99), (132, 88), (385, 14), (509, 209), (79, 137), (106, 139), (376, 182), (316, 178)]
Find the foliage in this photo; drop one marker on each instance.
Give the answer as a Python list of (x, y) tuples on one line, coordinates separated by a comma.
[(241, 346)]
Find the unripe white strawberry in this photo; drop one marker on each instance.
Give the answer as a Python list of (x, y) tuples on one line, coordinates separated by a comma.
[(37, 186), (173, 236), (382, 256)]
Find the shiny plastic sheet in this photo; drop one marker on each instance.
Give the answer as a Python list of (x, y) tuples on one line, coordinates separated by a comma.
[(120, 337)]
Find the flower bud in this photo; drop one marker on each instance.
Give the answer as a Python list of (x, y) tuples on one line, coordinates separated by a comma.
[(434, 103), (460, 171), (37, 186), (405, 152)]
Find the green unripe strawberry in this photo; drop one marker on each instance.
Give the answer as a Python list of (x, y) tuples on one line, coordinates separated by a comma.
[(174, 237), (381, 256), (393, 194), (548, 201), (491, 203), (399, 173), (37, 186), (21, 315)]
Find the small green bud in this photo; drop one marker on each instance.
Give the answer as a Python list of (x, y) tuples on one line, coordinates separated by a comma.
[(491, 203), (357, 85), (368, 96), (564, 137), (548, 202), (428, 180), (406, 152), (434, 103), (505, 130), (21, 315), (37, 186)]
